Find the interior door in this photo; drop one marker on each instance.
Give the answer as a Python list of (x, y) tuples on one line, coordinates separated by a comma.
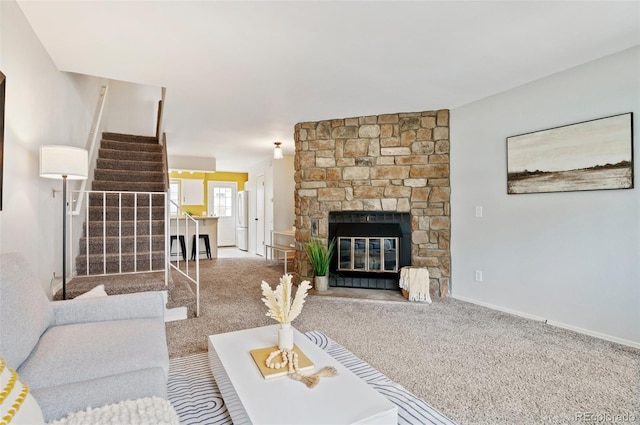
[(222, 203), (260, 215)]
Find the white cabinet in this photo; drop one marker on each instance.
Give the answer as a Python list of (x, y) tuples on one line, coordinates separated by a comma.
[(192, 192)]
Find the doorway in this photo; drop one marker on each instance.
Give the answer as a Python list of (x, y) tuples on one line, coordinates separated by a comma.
[(260, 214), (222, 203)]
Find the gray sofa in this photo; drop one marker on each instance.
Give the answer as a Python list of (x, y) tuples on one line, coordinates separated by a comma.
[(80, 353)]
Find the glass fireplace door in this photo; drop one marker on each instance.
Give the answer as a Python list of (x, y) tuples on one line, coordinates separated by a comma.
[(368, 254)]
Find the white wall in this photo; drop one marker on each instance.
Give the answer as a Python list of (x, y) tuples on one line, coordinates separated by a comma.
[(284, 187), (43, 106), (572, 258), (132, 108)]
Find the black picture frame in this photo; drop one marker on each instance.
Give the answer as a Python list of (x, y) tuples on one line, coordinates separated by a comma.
[(2, 92), (589, 155)]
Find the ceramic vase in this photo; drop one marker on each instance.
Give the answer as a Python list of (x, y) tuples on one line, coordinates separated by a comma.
[(321, 283), (285, 336)]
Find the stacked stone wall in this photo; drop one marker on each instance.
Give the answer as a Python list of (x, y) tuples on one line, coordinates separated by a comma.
[(392, 162)]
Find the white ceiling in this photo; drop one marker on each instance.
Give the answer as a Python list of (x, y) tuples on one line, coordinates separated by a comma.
[(240, 75)]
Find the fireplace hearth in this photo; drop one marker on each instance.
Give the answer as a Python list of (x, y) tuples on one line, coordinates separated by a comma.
[(371, 248)]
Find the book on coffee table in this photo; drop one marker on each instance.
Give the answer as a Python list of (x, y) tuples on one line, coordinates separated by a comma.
[(260, 355)]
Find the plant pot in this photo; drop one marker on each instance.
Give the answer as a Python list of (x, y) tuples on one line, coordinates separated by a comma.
[(321, 283), (285, 336)]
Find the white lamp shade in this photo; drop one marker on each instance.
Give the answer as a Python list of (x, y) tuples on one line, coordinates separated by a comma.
[(58, 161)]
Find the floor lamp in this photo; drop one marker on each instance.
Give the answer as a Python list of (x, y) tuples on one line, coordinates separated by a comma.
[(66, 163)]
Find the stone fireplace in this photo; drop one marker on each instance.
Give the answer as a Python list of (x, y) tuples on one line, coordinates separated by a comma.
[(372, 166)]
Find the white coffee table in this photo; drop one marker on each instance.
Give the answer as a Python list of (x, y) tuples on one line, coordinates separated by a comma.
[(250, 399)]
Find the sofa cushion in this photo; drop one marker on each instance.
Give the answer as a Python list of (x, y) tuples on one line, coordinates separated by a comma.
[(141, 305), (83, 351), (25, 310)]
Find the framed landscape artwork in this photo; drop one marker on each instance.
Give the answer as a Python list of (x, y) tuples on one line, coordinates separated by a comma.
[(591, 155)]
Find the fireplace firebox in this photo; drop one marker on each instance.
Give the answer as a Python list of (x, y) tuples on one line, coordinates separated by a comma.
[(371, 248)]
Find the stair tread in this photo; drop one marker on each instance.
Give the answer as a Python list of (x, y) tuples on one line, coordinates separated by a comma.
[(115, 255), (122, 186), (110, 135), (120, 151), (130, 155), (146, 237), (129, 176), (130, 146), (125, 164), (110, 207), (143, 219), (135, 182), (111, 196), (124, 171)]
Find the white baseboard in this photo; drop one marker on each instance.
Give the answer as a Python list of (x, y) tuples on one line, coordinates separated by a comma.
[(577, 329), (606, 337)]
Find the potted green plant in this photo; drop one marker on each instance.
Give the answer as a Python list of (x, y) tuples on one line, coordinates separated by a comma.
[(320, 258)]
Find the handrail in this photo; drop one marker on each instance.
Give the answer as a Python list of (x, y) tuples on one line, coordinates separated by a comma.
[(160, 121), (163, 140), (91, 146), (165, 162), (187, 219)]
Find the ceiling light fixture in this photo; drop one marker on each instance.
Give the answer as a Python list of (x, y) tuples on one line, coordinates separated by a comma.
[(277, 151)]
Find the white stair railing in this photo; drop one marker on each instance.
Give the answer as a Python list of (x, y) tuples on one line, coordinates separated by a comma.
[(181, 224), (115, 221)]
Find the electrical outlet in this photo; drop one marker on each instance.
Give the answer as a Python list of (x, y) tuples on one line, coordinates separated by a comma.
[(479, 211), (478, 275)]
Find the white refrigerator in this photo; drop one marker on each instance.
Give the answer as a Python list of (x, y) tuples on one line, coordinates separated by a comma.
[(242, 220)]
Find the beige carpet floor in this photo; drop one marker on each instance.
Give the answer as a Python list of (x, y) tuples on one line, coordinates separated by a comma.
[(475, 365)]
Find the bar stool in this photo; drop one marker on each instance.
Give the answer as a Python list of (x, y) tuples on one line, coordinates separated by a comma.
[(194, 247), (183, 246)]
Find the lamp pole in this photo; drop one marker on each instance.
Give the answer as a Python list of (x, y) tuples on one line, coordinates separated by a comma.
[(64, 237)]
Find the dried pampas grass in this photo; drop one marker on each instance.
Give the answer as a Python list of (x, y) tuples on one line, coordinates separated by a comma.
[(279, 300)]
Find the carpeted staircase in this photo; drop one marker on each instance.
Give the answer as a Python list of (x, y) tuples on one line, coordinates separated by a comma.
[(125, 163)]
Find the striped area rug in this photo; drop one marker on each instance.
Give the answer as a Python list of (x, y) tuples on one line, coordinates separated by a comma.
[(195, 395)]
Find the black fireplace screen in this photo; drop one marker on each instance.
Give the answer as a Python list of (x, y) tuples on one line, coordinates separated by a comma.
[(370, 254), (371, 248)]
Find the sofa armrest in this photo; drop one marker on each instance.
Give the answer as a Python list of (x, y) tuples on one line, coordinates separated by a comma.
[(141, 305)]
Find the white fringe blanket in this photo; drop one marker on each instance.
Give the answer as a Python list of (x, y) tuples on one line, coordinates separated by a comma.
[(143, 411), (415, 280)]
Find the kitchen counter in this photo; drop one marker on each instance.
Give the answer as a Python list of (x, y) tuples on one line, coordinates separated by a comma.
[(206, 225)]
